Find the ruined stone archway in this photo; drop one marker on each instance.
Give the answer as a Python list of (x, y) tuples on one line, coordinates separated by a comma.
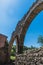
[(23, 25)]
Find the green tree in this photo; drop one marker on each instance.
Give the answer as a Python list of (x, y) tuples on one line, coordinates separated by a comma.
[(40, 40), (32, 47)]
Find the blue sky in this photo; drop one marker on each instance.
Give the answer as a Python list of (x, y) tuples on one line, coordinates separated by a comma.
[(11, 11)]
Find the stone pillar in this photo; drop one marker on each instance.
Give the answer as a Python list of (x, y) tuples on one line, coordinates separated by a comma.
[(19, 46)]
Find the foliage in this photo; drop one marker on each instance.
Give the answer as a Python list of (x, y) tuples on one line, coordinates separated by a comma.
[(32, 47), (40, 40), (12, 58), (13, 50)]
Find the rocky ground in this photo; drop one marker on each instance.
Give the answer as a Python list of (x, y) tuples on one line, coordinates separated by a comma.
[(31, 57)]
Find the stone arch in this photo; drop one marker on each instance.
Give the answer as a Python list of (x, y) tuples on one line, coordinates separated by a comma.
[(23, 25)]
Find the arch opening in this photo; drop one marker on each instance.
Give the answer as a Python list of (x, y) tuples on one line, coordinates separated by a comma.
[(28, 21), (34, 31)]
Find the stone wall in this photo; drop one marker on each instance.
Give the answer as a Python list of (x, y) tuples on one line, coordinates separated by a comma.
[(30, 57)]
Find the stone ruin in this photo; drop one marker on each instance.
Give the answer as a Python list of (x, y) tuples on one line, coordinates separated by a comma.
[(31, 57), (3, 47), (23, 25)]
